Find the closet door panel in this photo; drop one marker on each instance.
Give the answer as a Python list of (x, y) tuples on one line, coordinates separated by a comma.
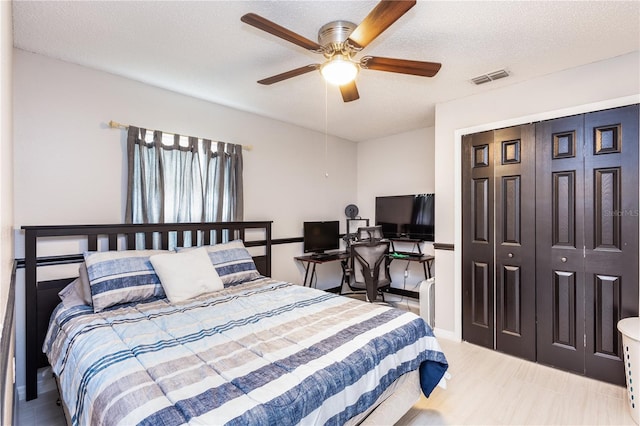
[(477, 239), (563, 188), (564, 313), (611, 236), (511, 301), (607, 303), (514, 174), (481, 307), (559, 243), (480, 194)]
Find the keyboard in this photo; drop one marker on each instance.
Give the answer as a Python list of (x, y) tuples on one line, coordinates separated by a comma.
[(325, 256)]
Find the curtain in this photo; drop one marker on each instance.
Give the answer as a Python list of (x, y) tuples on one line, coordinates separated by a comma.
[(172, 178), (223, 182)]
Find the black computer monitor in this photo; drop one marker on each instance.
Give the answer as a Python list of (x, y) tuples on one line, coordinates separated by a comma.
[(321, 236), (406, 216)]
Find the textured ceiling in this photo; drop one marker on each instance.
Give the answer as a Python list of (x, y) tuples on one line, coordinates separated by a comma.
[(202, 49)]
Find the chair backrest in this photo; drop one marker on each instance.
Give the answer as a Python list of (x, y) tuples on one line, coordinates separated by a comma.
[(370, 233), (367, 256)]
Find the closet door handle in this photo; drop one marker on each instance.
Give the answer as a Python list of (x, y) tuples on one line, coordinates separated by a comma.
[(510, 255), (563, 259)]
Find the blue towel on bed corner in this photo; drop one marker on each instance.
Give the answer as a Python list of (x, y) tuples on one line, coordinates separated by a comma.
[(431, 373)]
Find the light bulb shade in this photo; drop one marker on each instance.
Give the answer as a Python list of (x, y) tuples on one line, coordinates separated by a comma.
[(339, 71)]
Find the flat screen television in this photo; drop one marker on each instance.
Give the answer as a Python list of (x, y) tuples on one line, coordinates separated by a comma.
[(321, 236), (406, 216)]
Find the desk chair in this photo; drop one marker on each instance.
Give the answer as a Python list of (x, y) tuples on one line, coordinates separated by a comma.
[(369, 233), (370, 268)]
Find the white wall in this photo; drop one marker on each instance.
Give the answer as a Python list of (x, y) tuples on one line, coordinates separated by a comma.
[(6, 175), (397, 165), (592, 87), (6, 152), (70, 167)]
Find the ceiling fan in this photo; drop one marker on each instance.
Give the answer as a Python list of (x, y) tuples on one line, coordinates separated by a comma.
[(340, 41)]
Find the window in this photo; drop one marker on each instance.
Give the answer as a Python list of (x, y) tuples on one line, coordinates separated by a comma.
[(174, 178)]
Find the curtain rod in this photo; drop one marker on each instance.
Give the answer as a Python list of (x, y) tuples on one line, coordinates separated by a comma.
[(116, 125)]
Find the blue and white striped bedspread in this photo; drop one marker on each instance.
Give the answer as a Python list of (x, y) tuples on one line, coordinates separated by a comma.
[(264, 352)]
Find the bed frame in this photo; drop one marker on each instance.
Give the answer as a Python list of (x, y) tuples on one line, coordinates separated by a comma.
[(41, 297)]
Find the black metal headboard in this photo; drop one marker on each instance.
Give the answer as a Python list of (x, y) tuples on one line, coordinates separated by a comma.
[(42, 297)]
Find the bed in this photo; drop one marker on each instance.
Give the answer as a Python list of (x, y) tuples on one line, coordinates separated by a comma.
[(254, 350)]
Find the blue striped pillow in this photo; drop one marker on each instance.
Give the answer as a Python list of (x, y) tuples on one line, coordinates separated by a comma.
[(232, 261), (126, 276)]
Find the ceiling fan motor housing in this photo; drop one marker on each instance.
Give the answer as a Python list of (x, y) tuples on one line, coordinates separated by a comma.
[(332, 36)]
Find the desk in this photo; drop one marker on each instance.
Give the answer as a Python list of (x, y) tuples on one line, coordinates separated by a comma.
[(426, 260), (311, 261)]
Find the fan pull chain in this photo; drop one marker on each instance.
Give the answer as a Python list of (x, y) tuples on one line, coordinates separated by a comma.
[(326, 129)]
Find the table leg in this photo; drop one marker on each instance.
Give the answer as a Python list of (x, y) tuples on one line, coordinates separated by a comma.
[(313, 274), (306, 274), (345, 277)]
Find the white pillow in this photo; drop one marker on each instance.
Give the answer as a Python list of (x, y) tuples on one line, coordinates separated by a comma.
[(186, 275)]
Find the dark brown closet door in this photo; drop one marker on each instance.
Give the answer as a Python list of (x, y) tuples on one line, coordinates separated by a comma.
[(514, 174), (560, 242), (587, 239), (611, 236), (477, 239)]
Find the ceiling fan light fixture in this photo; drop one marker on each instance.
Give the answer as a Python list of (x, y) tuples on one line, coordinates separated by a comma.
[(339, 70)]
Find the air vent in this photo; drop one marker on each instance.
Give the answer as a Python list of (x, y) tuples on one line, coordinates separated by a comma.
[(485, 78)]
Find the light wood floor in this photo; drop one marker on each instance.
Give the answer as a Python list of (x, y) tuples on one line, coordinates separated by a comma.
[(486, 388), (490, 388), (40, 411)]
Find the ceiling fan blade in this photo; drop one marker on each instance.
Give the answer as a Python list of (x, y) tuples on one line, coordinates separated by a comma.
[(379, 19), (402, 66), (349, 92), (279, 31), (289, 74)]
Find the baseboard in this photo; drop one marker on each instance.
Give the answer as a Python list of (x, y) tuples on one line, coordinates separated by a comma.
[(445, 334), (46, 383)]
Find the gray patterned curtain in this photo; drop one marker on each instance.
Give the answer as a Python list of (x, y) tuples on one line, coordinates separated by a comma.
[(223, 182), (182, 179)]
